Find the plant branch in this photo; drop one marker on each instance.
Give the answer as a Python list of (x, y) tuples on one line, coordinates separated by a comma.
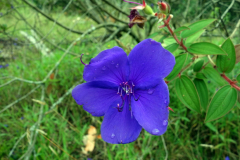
[(232, 83), (51, 19)]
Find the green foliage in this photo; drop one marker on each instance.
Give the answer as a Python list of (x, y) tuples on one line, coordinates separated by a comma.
[(172, 47), (198, 65), (187, 93), (202, 92), (214, 76), (222, 102), (226, 63), (238, 78), (180, 61), (195, 27), (180, 29), (206, 48)]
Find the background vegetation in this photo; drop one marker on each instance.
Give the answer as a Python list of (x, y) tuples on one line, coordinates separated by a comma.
[(39, 118)]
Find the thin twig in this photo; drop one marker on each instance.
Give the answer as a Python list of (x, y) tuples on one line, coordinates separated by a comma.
[(51, 19), (165, 147), (15, 145), (10, 105)]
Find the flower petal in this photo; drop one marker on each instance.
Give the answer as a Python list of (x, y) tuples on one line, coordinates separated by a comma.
[(120, 127), (149, 62), (109, 65), (151, 109), (141, 7), (96, 97)]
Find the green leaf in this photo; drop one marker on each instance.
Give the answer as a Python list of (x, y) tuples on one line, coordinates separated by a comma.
[(193, 38), (213, 75), (169, 41), (238, 78), (206, 48), (180, 61), (195, 27), (212, 127), (202, 92), (237, 50), (200, 75), (183, 28), (172, 47), (187, 93), (222, 102), (153, 35), (226, 63), (198, 66)]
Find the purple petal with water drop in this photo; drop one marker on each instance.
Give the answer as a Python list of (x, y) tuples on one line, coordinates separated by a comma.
[(109, 65), (151, 109), (96, 97), (119, 127), (149, 63)]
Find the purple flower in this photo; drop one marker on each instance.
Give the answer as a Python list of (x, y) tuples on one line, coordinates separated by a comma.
[(129, 91), (227, 158)]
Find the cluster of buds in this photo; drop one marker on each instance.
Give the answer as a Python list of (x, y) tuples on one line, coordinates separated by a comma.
[(136, 18)]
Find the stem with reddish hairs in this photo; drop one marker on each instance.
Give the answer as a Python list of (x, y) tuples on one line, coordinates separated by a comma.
[(166, 23), (232, 83)]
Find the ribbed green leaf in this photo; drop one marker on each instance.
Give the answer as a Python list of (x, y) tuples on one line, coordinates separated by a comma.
[(169, 41), (193, 38), (226, 63), (187, 93), (222, 102), (181, 29), (153, 35), (214, 76), (206, 48), (198, 66), (200, 76), (195, 27), (202, 92), (180, 61), (172, 47)]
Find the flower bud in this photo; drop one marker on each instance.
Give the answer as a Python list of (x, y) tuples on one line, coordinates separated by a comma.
[(164, 7), (148, 10)]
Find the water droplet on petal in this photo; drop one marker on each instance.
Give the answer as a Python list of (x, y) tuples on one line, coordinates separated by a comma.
[(155, 131), (113, 135), (103, 68), (112, 62), (166, 101), (165, 122), (150, 91), (117, 65)]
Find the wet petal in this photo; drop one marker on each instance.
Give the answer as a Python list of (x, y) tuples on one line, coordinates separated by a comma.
[(109, 65), (96, 97), (151, 109), (149, 63), (119, 127)]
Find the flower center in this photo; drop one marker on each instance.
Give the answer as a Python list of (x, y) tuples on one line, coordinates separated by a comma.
[(125, 91)]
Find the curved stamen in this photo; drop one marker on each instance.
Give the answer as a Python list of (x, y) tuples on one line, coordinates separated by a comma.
[(132, 2), (135, 97), (82, 61)]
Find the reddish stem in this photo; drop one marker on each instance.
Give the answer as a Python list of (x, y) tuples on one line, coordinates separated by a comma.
[(232, 83), (166, 23)]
